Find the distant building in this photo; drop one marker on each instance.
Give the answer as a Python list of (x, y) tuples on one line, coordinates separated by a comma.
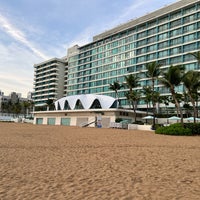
[(49, 81), (11, 99)]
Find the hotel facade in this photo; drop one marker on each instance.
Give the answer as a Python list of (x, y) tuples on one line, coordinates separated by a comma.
[(166, 36)]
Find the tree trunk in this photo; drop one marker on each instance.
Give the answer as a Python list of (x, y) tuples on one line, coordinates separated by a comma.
[(194, 107)]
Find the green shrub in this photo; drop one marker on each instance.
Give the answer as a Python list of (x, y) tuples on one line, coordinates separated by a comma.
[(195, 128), (174, 129)]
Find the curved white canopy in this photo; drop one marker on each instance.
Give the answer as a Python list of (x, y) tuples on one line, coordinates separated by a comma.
[(86, 100)]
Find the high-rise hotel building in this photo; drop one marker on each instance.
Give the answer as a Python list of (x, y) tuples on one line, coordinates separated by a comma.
[(165, 36), (49, 80)]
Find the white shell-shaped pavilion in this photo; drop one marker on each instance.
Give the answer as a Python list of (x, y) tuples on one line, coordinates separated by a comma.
[(86, 101)]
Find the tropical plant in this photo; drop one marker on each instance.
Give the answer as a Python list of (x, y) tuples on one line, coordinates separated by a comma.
[(153, 72), (147, 91), (171, 79), (49, 102), (133, 97), (115, 87), (132, 82), (197, 56), (191, 81)]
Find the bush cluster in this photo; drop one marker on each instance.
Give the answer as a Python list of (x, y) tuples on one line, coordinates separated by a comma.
[(174, 129), (195, 128)]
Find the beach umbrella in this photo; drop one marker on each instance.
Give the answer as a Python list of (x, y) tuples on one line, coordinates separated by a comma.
[(148, 117), (192, 119), (174, 118)]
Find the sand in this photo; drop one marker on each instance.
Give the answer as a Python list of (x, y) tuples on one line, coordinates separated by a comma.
[(58, 162)]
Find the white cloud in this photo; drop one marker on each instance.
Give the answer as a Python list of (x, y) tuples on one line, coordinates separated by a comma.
[(19, 36)]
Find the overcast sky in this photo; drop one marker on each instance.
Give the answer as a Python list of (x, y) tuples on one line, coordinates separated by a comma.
[(32, 31)]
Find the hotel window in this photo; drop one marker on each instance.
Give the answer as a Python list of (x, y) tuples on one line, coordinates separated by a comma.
[(189, 28), (141, 51), (175, 23), (192, 66), (141, 27), (176, 15), (175, 60), (152, 39), (190, 37), (114, 44), (152, 23), (188, 57), (151, 56), (141, 43), (189, 18), (152, 48), (164, 19), (189, 47), (163, 62), (152, 31), (176, 41), (176, 50), (176, 32), (189, 10), (163, 36), (141, 35), (127, 47), (163, 53), (141, 59), (163, 45), (163, 27)]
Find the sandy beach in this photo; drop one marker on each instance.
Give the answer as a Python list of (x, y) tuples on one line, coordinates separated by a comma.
[(59, 162)]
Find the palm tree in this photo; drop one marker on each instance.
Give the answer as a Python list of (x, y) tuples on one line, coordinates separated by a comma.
[(191, 80), (26, 105), (132, 81), (197, 56), (153, 72), (171, 79), (133, 97), (147, 91), (115, 87), (165, 100), (49, 102)]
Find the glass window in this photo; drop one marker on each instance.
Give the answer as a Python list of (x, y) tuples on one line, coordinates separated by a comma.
[(176, 15), (176, 41), (175, 50), (163, 53), (152, 48), (163, 27), (189, 28), (176, 32), (189, 18), (188, 57), (189, 47), (176, 23), (163, 45), (152, 31), (175, 60), (188, 38), (189, 10), (163, 36), (152, 39), (152, 23)]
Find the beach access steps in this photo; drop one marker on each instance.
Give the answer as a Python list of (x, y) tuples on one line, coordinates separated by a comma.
[(86, 124)]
